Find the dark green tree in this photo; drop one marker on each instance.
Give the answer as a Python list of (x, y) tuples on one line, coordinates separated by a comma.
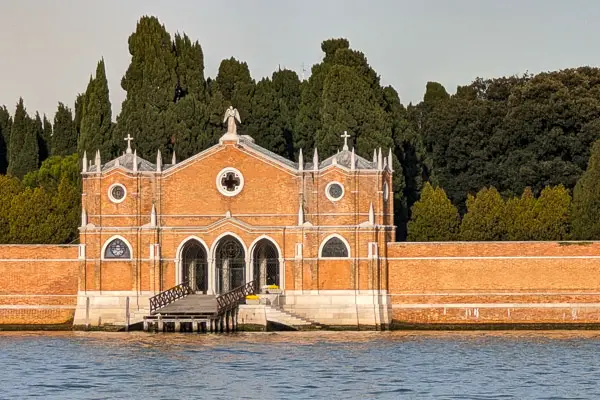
[(485, 218), (151, 84), (28, 217), (9, 188), (434, 217), (64, 137), (96, 121), (47, 139), (5, 127), (24, 151), (585, 218), (42, 140), (79, 108)]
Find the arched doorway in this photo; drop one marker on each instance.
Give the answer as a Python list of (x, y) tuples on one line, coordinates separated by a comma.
[(266, 264), (230, 259), (194, 265)]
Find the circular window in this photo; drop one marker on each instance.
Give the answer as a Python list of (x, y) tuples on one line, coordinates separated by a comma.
[(386, 192), (117, 193), (334, 191), (230, 181)]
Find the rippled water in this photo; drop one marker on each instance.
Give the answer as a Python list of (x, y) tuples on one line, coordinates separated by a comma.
[(387, 365)]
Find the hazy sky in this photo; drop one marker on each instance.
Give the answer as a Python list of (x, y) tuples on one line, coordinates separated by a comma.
[(48, 49)]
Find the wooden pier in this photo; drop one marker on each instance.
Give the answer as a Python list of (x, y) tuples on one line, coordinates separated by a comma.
[(179, 309)]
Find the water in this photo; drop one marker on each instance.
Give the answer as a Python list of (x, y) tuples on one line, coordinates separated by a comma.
[(338, 365)]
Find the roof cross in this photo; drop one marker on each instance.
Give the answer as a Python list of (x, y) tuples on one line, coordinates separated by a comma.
[(128, 139), (345, 136)]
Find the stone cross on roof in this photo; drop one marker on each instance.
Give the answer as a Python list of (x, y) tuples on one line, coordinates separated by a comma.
[(345, 136), (128, 139)]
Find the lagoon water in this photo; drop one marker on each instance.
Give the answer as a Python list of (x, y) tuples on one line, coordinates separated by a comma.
[(301, 365)]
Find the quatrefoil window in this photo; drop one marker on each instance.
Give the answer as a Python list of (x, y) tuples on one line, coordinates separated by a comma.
[(230, 181)]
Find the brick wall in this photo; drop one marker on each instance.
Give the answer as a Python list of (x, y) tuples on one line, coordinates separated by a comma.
[(495, 282), (38, 284)]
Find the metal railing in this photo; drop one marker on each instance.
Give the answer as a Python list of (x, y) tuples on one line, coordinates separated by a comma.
[(230, 300), (169, 296)]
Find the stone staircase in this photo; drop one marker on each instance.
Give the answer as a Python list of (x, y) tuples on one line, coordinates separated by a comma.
[(280, 316)]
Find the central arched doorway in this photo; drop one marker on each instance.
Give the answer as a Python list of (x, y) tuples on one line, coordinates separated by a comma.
[(230, 258), (194, 266), (266, 264)]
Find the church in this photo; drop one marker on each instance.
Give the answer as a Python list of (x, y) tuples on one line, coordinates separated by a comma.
[(232, 214), (314, 238)]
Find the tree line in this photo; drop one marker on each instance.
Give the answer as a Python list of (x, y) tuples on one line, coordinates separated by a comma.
[(516, 136)]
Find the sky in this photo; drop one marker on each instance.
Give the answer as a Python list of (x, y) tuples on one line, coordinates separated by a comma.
[(48, 49)]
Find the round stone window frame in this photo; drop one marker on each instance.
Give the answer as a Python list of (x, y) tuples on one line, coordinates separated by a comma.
[(220, 187), (329, 196), (110, 193)]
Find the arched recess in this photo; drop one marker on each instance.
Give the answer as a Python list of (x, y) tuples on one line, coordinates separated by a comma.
[(266, 261), (334, 246), (116, 248), (194, 264), (230, 263)]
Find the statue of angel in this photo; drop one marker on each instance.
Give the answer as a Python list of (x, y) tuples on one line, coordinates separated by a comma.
[(232, 115)]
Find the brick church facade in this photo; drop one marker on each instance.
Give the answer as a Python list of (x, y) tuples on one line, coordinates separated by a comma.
[(231, 214)]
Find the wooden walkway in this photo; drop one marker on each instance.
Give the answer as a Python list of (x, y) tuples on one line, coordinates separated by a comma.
[(179, 309)]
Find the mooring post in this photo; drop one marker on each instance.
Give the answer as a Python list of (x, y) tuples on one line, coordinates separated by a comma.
[(161, 324), (127, 315), (195, 326), (145, 325), (177, 325)]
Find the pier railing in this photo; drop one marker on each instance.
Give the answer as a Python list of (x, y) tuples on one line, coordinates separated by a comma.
[(169, 296), (230, 300)]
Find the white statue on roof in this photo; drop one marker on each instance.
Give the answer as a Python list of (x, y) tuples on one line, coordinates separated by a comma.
[(232, 115)]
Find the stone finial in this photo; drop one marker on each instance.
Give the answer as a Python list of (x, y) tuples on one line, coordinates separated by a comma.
[(232, 115), (334, 160), (117, 162), (158, 161), (174, 159), (84, 162), (371, 214), (374, 156), (128, 139), (300, 161), (98, 162), (390, 164), (153, 216), (316, 160), (379, 160), (300, 215), (345, 136), (135, 161), (83, 217), (352, 160)]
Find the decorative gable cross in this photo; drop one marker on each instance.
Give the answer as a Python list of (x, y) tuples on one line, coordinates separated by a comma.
[(345, 136), (128, 139)]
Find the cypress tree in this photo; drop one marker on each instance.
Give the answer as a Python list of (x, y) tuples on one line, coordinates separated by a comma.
[(434, 217), (9, 188), (190, 100), (151, 85), (553, 210), (79, 106), (24, 151), (47, 137), (520, 216), (287, 88), (64, 139), (96, 121), (585, 219), (40, 134), (28, 217), (485, 217), (5, 127)]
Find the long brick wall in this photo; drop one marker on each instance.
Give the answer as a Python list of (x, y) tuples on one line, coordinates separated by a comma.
[(495, 282), (38, 285)]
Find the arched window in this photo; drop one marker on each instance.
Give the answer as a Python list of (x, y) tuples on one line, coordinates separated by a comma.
[(117, 249), (335, 248)]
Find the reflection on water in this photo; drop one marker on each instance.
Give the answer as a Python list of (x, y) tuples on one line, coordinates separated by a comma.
[(388, 365)]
